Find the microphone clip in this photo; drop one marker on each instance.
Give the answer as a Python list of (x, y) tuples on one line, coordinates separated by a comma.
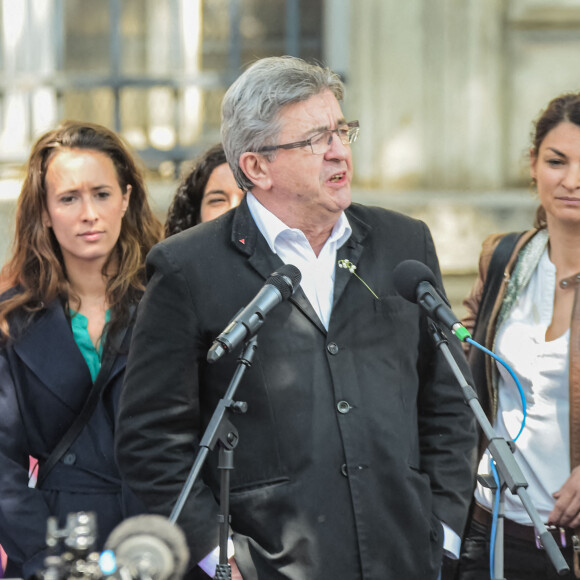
[(437, 334)]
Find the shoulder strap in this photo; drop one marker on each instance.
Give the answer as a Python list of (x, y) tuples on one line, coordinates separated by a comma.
[(86, 412), (494, 278), (495, 273)]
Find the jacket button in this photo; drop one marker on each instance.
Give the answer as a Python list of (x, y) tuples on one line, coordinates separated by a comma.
[(343, 407), (69, 459), (344, 470), (332, 348)]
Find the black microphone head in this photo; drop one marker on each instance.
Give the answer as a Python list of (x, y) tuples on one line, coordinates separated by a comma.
[(408, 275), (149, 546), (286, 279)]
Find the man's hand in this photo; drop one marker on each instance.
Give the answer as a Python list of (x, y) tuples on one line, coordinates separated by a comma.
[(566, 512)]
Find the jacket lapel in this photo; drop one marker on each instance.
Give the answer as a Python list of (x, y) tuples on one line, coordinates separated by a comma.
[(351, 250), (47, 348), (247, 238)]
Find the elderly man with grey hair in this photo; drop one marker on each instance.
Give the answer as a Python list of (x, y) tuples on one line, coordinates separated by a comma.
[(354, 454)]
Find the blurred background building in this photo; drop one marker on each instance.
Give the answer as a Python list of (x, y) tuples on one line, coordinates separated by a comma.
[(445, 91)]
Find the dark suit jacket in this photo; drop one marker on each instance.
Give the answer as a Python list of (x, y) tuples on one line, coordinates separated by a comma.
[(356, 442), (44, 381)]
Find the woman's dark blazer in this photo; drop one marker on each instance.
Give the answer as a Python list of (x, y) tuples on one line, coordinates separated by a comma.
[(44, 381)]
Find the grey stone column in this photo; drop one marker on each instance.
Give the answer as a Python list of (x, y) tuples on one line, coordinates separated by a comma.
[(425, 79), (463, 97)]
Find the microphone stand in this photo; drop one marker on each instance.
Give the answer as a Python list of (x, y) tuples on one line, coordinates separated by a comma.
[(221, 430), (510, 474)]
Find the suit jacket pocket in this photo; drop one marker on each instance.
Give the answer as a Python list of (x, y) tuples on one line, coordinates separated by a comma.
[(395, 308), (259, 510), (250, 488)]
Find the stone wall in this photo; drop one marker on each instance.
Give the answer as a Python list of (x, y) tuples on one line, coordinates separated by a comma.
[(446, 90)]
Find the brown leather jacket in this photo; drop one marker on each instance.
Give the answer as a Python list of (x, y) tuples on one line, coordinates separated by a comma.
[(472, 302)]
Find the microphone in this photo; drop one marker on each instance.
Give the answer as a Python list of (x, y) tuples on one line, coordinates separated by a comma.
[(278, 287), (415, 282), (146, 547)]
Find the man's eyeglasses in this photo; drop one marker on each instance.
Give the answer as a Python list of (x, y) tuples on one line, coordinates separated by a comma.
[(321, 142)]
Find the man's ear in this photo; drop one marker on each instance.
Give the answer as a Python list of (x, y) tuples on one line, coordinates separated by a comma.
[(257, 169)]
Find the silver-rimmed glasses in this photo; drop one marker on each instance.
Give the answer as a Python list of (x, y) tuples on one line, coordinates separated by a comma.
[(321, 142)]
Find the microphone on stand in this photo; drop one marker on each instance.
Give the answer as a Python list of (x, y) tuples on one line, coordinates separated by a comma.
[(278, 287), (415, 282), (146, 547)]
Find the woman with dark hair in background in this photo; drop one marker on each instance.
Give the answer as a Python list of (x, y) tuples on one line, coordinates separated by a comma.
[(69, 291), (205, 193), (531, 318)]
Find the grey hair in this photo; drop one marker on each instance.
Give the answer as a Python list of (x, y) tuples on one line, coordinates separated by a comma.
[(252, 104)]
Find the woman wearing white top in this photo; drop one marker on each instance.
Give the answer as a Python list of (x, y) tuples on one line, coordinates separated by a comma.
[(532, 321)]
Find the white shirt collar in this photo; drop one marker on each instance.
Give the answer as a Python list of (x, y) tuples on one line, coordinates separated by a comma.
[(273, 228), (292, 247)]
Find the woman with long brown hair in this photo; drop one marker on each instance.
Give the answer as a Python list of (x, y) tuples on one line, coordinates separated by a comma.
[(69, 292)]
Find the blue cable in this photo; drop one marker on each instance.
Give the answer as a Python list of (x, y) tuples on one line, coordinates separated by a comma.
[(495, 512), (509, 370), (494, 518)]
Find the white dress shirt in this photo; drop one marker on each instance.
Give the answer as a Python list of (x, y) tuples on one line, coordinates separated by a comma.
[(543, 448), (293, 248)]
